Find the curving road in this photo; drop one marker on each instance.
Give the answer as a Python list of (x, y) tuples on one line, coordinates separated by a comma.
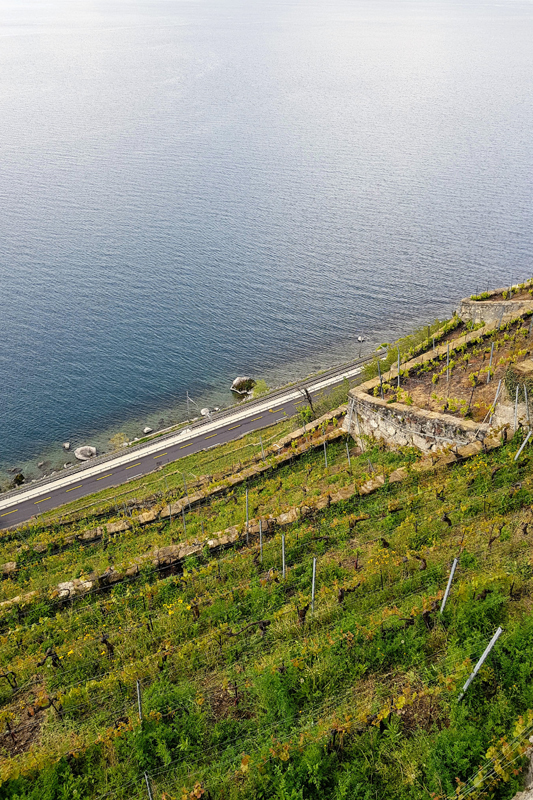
[(20, 506)]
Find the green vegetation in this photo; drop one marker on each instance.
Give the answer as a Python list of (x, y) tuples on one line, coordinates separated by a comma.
[(118, 440), (249, 692), (329, 399), (410, 346), (260, 388), (514, 380), (462, 385), (517, 289)]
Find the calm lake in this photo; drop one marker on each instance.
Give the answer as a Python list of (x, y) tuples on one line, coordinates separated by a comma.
[(196, 189)]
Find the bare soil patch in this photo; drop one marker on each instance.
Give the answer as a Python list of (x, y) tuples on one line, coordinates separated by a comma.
[(466, 392), (23, 730)]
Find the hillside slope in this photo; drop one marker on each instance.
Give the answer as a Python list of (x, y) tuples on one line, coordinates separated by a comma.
[(248, 691)]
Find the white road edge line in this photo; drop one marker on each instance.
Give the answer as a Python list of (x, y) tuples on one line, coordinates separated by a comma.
[(180, 438)]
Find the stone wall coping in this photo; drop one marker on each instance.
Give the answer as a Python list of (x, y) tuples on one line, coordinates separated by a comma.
[(494, 292), (488, 302)]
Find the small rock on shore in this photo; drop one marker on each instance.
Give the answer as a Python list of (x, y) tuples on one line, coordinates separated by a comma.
[(85, 452), (242, 385)]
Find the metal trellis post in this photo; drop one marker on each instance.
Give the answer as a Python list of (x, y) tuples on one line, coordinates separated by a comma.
[(169, 503), (186, 490), (313, 587), (495, 401), (350, 413), (480, 662), (148, 787), (490, 361), (448, 587), (247, 539), (526, 440), (139, 704)]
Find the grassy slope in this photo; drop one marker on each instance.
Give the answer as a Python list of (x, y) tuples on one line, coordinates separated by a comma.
[(359, 701)]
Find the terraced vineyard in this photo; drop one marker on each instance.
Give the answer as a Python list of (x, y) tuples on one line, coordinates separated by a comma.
[(214, 675)]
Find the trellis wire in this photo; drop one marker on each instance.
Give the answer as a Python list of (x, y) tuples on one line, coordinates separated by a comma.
[(93, 591)]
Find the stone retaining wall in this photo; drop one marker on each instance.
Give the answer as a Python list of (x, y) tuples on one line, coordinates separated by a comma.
[(279, 455), (169, 560), (401, 425), (504, 414), (407, 426), (492, 311)]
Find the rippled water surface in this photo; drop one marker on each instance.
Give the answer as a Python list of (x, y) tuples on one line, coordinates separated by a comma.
[(192, 190)]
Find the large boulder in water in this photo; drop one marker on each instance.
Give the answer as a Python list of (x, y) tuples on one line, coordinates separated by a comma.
[(242, 385), (85, 452)]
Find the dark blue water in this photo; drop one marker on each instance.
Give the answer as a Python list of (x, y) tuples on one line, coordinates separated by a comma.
[(194, 190)]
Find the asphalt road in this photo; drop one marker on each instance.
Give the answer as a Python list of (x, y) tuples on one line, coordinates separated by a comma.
[(64, 488)]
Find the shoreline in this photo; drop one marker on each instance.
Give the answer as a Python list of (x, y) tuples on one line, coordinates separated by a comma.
[(148, 456), (169, 418)]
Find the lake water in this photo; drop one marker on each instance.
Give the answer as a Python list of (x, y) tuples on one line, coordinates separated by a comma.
[(195, 189)]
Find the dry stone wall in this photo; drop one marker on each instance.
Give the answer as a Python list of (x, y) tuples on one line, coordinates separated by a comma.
[(402, 425), (491, 311), (168, 560)]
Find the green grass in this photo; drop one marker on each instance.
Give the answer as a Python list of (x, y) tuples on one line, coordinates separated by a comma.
[(358, 702)]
